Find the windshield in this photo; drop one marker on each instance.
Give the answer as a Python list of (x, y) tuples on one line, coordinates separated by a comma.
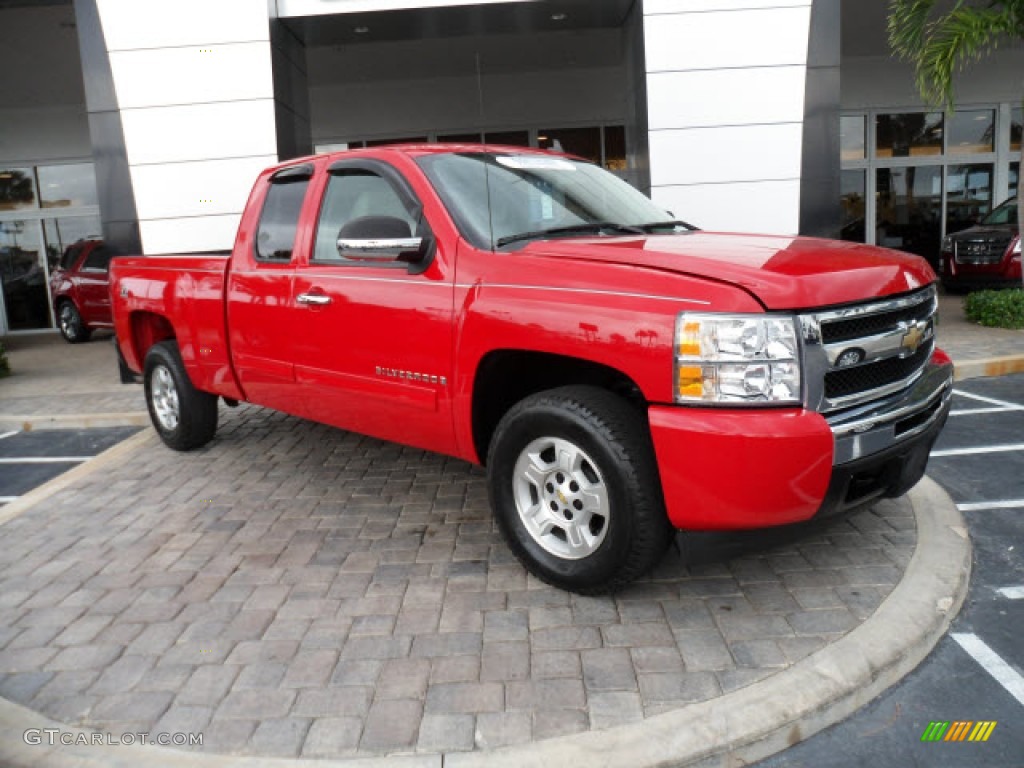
[(500, 199), (1004, 214)]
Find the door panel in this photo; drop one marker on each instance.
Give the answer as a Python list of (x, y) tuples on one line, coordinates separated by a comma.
[(373, 342)]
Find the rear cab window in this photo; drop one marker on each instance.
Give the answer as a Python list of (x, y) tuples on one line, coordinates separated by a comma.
[(279, 219)]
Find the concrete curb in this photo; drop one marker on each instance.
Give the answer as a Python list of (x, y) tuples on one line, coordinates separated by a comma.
[(74, 420), (59, 483), (740, 727), (988, 366)]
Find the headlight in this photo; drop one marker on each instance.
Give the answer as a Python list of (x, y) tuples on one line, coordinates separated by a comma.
[(736, 359), (1016, 248)]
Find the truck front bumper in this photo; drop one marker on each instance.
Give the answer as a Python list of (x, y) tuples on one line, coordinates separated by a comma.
[(728, 468)]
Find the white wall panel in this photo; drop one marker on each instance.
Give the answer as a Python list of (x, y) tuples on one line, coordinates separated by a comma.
[(771, 207), (199, 132), (191, 235), (712, 155), (195, 189), (286, 8), (693, 6), (728, 39), (725, 97), (200, 74), (132, 24)]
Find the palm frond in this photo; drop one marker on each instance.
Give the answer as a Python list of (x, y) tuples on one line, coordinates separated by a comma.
[(940, 48)]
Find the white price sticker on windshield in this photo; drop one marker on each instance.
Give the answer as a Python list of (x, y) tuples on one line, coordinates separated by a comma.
[(535, 163)]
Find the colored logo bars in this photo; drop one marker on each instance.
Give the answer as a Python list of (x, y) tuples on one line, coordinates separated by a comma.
[(958, 730)]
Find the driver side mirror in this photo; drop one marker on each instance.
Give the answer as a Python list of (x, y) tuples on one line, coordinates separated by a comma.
[(380, 239)]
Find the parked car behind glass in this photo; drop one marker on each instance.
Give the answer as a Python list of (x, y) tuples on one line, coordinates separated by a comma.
[(986, 255), (80, 290)]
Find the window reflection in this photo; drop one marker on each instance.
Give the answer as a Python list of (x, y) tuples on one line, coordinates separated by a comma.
[(17, 189), (968, 195), (60, 233), (909, 208), (615, 148), (851, 187), (851, 137), (1016, 122), (508, 138), (61, 186), (910, 134), (386, 142), (460, 138), (1014, 178), (972, 131), (583, 142), (23, 275)]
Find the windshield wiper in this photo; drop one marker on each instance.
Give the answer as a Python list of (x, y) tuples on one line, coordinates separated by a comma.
[(665, 225), (592, 227)]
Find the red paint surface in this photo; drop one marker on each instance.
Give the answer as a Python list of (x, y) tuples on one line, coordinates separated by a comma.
[(359, 363)]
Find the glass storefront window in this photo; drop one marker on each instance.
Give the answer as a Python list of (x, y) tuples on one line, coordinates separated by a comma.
[(386, 142), (583, 142), (851, 137), (908, 212), (851, 201), (1014, 178), (972, 132), (508, 138), (23, 274), (460, 138), (968, 195), (615, 148), (63, 186), (1016, 127), (60, 233), (909, 134), (17, 189)]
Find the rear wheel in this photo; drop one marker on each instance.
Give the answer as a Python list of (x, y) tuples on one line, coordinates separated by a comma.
[(183, 416), (72, 327), (574, 485)]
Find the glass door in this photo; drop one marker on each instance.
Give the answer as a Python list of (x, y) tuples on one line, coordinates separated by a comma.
[(23, 274)]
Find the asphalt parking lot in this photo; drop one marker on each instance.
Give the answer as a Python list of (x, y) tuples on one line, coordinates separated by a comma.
[(29, 459), (974, 674)]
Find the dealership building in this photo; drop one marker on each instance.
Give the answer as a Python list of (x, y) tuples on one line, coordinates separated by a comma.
[(146, 121)]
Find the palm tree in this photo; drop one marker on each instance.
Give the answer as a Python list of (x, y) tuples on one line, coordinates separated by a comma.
[(941, 42)]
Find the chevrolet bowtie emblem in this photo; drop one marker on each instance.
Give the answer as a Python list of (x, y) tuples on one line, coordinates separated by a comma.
[(912, 339)]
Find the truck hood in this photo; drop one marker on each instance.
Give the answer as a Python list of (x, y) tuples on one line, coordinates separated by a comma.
[(781, 272)]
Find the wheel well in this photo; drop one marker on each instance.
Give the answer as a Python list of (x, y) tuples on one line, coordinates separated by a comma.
[(504, 377), (148, 329)]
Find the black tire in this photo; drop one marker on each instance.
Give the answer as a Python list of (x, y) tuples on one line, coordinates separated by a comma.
[(611, 502), (183, 416), (72, 327)]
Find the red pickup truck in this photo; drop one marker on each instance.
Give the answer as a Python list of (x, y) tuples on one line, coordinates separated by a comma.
[(620, 373)]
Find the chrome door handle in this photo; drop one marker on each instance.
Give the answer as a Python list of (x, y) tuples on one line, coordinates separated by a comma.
[(313, 298)]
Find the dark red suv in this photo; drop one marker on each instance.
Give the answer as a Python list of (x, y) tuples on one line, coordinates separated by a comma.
[(80, 289), (986, 255)]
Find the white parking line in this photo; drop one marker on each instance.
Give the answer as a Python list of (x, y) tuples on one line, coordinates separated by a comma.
[(1012, 593), (992, 663), (46, 460), (8, 434), (977, 506), (990, 400), (977, 411), (979, 449)]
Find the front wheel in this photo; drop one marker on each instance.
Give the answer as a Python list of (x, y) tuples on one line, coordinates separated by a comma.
[(575, 488), (72, 327), (183, 416)]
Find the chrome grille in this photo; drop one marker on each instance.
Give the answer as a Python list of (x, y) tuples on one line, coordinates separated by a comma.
[(980, 251), (863, 352)]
